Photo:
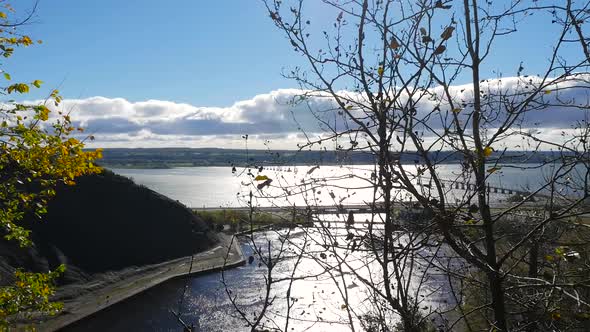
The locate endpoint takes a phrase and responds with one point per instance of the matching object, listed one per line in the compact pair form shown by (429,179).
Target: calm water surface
(218,186)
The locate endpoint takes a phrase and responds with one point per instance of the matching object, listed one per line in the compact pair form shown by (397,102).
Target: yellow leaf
(349,107)
(487,151)
(493,169)
(19,87)
(22,88)
(2,15)
(37,83)
(549,258)
(555,316)
(26,40)
(471,222)
(261,178)
(43,113)
(7,76)
(380,71)
(456,110)
(547,92)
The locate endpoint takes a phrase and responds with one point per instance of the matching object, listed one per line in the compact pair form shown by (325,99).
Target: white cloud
(117,122)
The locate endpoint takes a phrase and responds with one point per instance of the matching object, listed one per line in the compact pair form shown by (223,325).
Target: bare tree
(391,71)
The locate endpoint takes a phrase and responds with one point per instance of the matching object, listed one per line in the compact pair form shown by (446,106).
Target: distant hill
(107,222)
(175,157)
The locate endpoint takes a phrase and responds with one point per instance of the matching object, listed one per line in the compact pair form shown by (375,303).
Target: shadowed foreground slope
(107,222)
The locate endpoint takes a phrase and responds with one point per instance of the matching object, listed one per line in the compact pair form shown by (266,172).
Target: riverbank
(78,305)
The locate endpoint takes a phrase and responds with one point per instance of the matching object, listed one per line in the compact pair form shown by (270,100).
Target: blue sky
(207,53)
(196,72)
(201,52)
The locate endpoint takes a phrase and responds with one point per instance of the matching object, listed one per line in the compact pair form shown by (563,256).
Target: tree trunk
(533,262)
(498,301)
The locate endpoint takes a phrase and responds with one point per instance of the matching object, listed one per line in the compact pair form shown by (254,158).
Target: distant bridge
(368,208)
(427,182)
(466,185)
(344,208)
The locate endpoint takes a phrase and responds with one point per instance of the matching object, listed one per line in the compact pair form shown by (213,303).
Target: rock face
(107,222)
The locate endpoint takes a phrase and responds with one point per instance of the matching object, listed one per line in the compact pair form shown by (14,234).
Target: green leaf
(7,76)
(37,83)
(560,251)
(18,87)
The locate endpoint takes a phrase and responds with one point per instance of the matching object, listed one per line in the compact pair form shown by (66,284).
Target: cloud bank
(117,122)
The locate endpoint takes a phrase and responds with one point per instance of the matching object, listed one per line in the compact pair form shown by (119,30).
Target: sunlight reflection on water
(218,186)
(318,301)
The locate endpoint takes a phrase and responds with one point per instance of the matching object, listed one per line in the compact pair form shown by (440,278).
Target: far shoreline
(165,158)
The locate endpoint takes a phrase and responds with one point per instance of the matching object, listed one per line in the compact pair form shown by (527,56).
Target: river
(219,186)
(319,303)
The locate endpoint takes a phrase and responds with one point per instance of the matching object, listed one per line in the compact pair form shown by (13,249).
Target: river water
(218,186)
(317,300)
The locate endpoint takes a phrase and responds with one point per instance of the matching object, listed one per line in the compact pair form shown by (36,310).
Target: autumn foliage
(37,152)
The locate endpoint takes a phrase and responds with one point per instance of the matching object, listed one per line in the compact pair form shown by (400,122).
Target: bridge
(426,182)
(345,208)
(368,208)
(454,188)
